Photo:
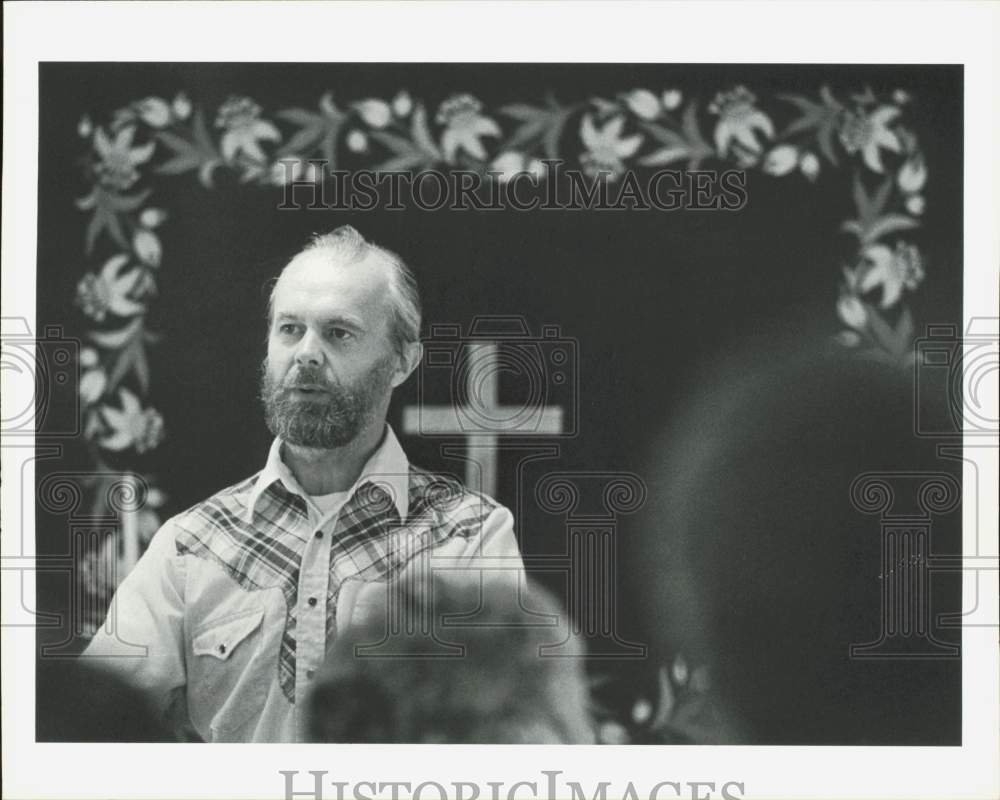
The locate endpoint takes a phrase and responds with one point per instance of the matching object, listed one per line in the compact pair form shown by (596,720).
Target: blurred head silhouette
(481,676)
(756,563)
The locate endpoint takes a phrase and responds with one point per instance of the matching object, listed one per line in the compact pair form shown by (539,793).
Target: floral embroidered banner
(792,137)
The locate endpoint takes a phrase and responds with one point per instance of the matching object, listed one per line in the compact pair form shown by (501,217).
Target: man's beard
(331,418)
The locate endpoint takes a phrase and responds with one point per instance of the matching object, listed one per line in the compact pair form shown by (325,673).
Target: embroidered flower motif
(912,175)
(809,165)
(154,111)
(147,247)
(181,106)
(642,711)
(781,160)
(672,99)
(852,312)
(606,149)
(679,670)
(152,217)
(915,204)
(869,133)
(119,159)
(907,141)
(244,129)
(357,142)
(643,104)
(848,338)
(511,163)
(375,113)
(612,733)
(739,119)
(402,104)
(294,168)
(464,125)
(892,270)
(131,425)
(109,290)
(88,358)
(94,380)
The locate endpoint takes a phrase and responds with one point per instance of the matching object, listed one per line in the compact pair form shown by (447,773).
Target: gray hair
(347,245)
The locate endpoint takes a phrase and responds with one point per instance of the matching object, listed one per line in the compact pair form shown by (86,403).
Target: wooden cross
(482,420)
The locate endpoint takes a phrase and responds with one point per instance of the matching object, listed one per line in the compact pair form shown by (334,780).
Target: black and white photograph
(634,414)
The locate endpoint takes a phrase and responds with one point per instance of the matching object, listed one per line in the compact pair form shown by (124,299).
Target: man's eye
(287,328)
(341,334)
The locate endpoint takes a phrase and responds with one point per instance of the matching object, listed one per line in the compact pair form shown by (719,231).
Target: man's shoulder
(446,497)
(223,509)
(452,512)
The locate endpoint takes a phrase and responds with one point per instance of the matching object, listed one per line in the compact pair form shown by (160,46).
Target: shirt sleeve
(142,639)
(498,543)
(495,560)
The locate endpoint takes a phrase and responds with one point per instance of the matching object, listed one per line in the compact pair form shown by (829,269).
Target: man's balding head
(345,246)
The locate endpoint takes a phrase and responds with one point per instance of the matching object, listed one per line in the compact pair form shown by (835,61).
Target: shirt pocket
(222,639)
(226,686)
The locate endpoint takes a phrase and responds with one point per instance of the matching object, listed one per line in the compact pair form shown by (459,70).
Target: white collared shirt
(205,614)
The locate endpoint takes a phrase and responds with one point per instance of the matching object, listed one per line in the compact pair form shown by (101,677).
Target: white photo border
(927,33)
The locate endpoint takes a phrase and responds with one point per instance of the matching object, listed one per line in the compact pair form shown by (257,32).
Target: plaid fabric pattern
(369,540)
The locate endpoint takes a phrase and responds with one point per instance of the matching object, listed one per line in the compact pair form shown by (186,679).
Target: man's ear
(408,361)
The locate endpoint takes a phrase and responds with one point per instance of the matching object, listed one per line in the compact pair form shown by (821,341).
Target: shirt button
(310,673)
(319,534)
(222,649)
(312,601)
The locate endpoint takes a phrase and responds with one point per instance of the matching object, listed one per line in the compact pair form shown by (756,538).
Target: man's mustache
(306,378)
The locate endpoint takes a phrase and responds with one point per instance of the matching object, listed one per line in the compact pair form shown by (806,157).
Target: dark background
(648,297)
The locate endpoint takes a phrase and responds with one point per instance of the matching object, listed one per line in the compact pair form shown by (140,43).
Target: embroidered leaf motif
(419,152)
(131,359)
(700,149)
(898,340)
(107,206)
(871,223)
(675,147)
(422,135)
(197,153)
(317,131)
(112,340)
(820,117)
(541,126)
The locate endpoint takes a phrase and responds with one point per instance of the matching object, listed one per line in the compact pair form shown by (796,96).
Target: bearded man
(231,611)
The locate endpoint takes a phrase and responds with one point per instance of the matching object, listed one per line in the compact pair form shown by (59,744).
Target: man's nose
(310,350)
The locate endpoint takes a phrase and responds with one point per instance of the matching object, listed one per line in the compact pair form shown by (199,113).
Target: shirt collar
(388,466)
